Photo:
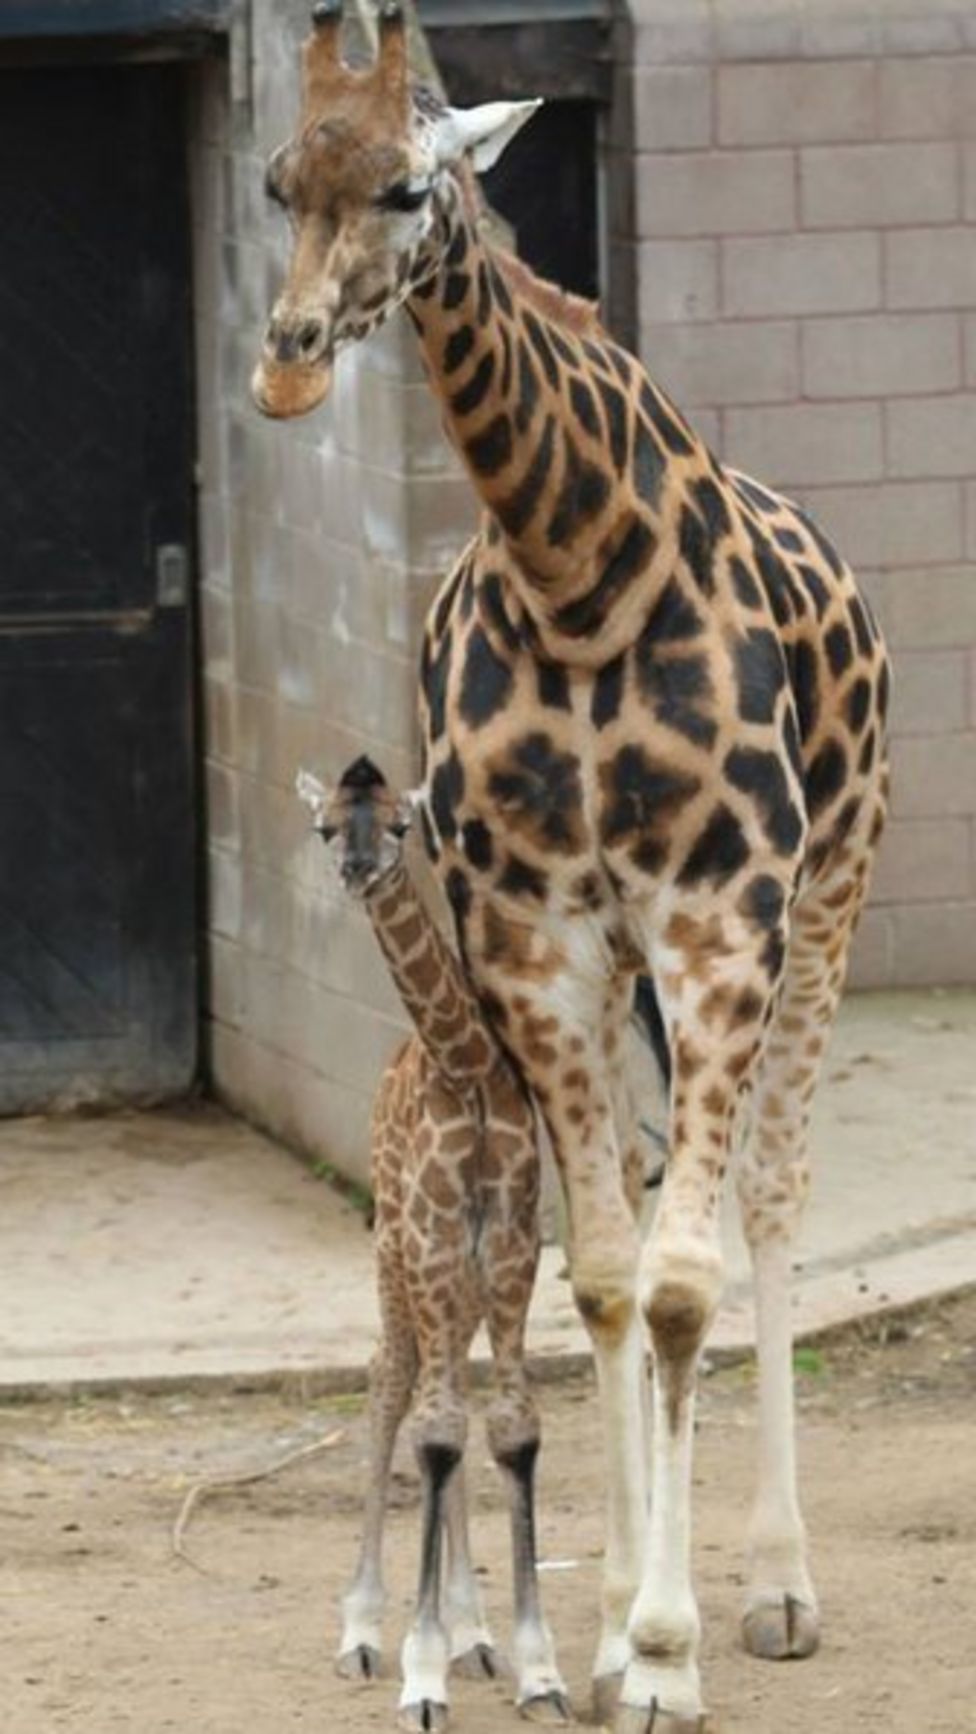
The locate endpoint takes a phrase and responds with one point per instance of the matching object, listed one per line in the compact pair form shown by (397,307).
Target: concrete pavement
(180,1246)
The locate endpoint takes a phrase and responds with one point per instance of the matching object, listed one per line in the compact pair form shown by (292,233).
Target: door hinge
(172,575)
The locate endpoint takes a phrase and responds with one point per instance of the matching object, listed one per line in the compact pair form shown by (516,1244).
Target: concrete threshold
(182,1249)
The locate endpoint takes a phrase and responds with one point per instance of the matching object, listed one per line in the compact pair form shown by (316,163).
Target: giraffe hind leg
(781,1619)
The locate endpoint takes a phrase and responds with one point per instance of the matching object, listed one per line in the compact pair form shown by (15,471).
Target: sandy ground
(101,1628)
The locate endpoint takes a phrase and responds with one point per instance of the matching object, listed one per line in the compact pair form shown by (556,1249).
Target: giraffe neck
(431,982)
(578,458)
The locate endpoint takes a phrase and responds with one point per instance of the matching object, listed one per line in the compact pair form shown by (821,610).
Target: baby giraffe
(455,1174)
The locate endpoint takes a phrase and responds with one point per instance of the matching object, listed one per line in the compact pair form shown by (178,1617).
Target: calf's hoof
(552,1707)
(784,1630)
(361,1663)
(424,1717)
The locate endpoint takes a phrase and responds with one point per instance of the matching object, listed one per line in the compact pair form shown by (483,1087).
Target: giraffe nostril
(291,343)
(309,337)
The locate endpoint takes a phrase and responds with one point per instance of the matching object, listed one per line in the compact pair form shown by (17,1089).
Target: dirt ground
(102,1628)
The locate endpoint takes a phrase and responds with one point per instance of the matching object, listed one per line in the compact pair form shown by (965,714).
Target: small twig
(244,1478)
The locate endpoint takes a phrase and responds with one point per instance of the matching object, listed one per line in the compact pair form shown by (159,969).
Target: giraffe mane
(574,311)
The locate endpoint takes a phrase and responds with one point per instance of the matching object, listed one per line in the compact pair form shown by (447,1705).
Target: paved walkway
(181,1245)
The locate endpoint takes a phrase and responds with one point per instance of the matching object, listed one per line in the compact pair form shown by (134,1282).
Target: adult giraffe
(654,724)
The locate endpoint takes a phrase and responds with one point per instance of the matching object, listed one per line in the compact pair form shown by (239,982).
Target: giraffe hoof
(606,1697)
(361,1663)
(781,1631)
(633,1719)
(551,1707)
(424,1717)
(481,1662)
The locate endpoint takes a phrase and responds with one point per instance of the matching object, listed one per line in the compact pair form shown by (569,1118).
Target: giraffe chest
(557,799)
(694,757)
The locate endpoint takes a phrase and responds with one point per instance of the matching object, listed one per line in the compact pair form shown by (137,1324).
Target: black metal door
(97,849)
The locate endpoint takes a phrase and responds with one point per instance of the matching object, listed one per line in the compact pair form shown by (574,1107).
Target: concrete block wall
(320,543)
(802,224)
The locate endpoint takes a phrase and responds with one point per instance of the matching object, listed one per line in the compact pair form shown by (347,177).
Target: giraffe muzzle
(359,874)
(294,372)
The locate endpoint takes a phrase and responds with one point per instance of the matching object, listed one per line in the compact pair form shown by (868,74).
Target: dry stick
(244,1478)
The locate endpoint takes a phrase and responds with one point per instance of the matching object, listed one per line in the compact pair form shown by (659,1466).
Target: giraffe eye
(401,197)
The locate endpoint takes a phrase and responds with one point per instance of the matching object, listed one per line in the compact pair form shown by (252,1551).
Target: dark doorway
(546,183)
(546,186)
(97,848)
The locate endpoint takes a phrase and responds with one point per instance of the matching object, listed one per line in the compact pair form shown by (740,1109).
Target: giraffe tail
(650,1026)
(650,1023)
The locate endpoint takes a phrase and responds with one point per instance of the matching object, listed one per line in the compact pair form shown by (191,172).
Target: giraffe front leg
(540,1694)
(391,1385)
(513,1436)
(425,1656)
(717,1003)
(579,1109)
(680,1285)
(564,1025)
(473,1654)
(439,1433)
(604,1288)
(440,1429)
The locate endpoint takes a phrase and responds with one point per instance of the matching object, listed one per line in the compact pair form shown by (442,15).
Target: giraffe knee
(437,1462)
(512,1427)
(679,1300)
(440,1426)
(678,1315)
(519,1460)
(603,1274)
(606,1301)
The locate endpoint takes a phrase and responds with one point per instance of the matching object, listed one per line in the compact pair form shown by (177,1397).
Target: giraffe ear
(482,132)
(317,798)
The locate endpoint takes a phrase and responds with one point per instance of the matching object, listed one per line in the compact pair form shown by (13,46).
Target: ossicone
(362,774)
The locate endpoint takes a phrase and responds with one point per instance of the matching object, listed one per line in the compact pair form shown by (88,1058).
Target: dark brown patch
(540,793)
(640,800)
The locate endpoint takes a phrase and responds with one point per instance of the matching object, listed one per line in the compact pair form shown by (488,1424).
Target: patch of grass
(345,1403)
(351,1191)
(811,1361)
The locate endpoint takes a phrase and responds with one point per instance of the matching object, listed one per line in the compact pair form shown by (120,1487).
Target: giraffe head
(361,181)
(362,820)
